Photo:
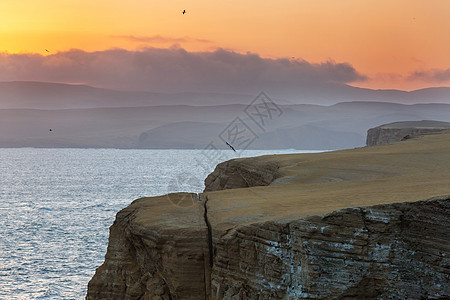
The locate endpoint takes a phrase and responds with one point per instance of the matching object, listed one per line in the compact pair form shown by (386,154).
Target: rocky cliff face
(347,224)
(398,251)
(162,257)
(395,132)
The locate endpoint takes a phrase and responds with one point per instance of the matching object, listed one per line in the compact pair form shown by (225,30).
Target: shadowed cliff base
(363,223)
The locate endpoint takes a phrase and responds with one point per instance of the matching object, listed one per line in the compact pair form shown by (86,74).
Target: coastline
(265,239)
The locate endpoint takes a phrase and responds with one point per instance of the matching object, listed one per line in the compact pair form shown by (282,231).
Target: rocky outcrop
(395,132)
(235,174)
(347,224)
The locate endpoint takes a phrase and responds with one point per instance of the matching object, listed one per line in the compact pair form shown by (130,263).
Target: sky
(402,44)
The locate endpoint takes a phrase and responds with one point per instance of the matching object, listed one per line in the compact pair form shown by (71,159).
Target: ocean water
(56,206)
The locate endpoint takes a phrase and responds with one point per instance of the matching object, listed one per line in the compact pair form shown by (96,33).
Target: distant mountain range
(43,95)
(300,126)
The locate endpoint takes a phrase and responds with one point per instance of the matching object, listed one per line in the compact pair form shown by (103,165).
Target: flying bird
(50,129)
(184,11)
(47,50)
(231,146)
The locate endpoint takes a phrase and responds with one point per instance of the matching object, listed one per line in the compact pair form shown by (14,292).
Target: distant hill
(301,126)
(85,116)
(44,95)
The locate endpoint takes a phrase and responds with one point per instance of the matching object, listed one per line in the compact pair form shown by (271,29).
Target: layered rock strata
(394,251)
(335,225)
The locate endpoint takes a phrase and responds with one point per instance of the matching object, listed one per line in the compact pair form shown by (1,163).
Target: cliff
(154,251)
(397,131)
(364,223)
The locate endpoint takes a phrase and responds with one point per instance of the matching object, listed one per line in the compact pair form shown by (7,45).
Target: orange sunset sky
(387,41)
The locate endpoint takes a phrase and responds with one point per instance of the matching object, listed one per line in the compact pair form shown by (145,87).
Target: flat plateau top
(417,124)
(319,183)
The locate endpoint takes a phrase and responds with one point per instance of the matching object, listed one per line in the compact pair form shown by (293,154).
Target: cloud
(432,75)
(177,70)
(160,39)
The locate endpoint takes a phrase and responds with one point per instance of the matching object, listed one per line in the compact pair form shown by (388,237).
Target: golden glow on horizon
(382,39)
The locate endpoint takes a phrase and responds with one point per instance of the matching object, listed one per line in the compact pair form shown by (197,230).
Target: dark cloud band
(176,69)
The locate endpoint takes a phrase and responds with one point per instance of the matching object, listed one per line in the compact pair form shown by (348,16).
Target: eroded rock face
(399,251)
(235,174)
(161,259)
(304,238)
(395,132)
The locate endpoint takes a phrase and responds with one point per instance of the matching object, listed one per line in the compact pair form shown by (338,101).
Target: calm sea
(56,206)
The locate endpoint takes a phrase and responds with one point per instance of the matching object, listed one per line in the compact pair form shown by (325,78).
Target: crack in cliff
(208,258)
(209,228)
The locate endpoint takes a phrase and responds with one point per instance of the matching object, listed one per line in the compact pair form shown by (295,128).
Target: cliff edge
(397,131)
(363,223)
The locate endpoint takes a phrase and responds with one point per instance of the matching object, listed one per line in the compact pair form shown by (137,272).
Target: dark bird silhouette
(231,146)
(47,50)
(50,129)
(184,11)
